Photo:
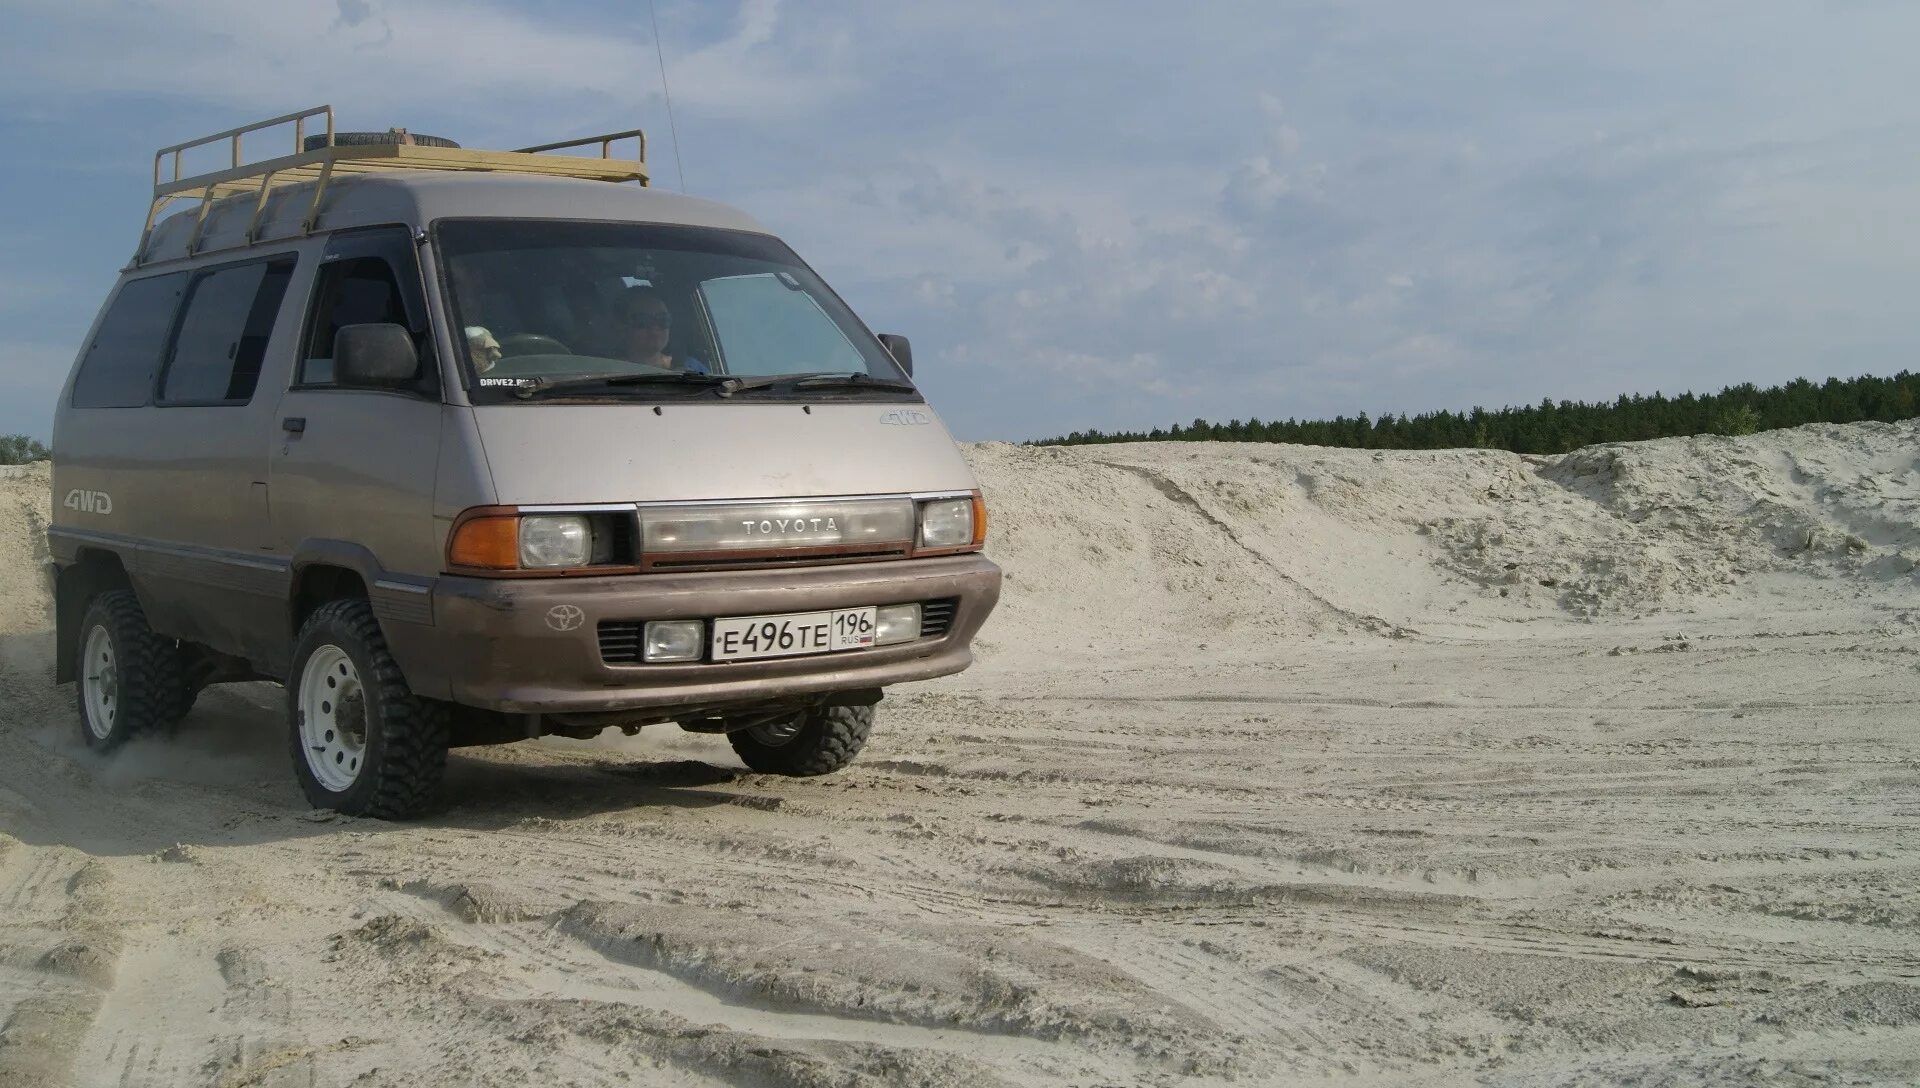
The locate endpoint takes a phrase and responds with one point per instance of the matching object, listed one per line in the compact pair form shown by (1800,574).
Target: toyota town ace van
(464,447)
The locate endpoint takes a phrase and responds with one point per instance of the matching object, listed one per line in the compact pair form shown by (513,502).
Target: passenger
(646,326)
(482,348)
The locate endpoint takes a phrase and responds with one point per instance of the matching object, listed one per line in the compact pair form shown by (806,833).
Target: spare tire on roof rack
(363,139)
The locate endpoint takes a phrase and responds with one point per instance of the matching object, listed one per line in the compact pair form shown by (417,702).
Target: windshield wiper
(854,379)
(678,377)
(724,384)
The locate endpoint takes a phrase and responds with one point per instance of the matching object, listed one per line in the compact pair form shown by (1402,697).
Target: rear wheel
(130,679)
(819,740)
(363,744)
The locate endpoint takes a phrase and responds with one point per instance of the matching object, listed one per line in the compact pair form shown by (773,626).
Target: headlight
(555,540)
(500,540)
(947,523)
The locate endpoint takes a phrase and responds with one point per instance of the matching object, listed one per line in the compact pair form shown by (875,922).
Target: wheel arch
(94,571)
(318,583)
(333,570)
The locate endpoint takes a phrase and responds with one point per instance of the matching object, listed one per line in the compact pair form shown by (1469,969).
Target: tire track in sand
(70,953)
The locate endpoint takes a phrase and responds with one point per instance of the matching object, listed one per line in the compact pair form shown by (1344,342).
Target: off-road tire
(406,744)
(185,695)
(367,139)
(828,739)
(150,690)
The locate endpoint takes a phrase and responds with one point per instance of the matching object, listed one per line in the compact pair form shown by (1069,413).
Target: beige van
(465,447)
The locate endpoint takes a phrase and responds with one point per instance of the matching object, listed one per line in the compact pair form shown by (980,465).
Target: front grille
(937,616)
(620,641)
(786,558)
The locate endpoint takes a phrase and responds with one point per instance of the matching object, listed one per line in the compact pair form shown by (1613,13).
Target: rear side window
(119,366)
(223,334)
(357,291)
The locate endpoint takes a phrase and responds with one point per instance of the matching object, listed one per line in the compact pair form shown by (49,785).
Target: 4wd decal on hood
(906,417)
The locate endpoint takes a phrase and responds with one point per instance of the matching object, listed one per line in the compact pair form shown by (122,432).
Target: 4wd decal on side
(89,502)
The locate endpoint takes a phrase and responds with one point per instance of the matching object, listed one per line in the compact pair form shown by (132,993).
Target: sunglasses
(650,320)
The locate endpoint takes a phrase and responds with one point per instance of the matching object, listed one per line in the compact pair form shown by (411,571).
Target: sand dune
(1302,539)
(1279,764)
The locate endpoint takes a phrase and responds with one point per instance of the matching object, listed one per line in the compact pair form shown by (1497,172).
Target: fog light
(674,640)
(896,623)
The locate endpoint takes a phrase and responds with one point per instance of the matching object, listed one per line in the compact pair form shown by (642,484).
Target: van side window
(118,369)
(222,339)
(356,291)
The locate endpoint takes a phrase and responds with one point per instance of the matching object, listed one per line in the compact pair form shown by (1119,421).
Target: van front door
(352,472)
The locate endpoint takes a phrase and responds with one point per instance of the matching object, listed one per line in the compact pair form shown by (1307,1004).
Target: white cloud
(1099,215)
(373,57)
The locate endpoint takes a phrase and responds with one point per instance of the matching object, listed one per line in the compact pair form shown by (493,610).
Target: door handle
(294,424)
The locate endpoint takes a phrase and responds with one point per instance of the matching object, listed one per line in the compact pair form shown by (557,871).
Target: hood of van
(542,453)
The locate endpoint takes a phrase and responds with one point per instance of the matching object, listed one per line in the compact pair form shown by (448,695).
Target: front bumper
(532,645)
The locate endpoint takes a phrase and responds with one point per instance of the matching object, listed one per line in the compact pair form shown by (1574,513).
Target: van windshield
(553,305)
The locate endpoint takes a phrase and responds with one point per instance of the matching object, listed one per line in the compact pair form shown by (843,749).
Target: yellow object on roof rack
(328,159)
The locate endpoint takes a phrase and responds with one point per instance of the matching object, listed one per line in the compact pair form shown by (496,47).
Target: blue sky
(1110,214)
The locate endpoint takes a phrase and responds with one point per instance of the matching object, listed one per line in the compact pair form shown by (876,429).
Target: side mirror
(378,355)
(901,351)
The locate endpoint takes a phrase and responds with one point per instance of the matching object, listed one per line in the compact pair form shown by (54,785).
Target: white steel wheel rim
(333,718)
(101,675)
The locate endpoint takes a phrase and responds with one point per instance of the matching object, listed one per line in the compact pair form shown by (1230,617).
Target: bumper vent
(620,641)
(937,616)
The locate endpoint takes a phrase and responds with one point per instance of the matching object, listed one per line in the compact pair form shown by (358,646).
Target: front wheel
(819,740)
(363,744)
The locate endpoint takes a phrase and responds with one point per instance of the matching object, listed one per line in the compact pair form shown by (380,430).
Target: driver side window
(354,291)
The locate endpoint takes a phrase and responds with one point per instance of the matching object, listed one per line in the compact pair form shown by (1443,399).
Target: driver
(646,323)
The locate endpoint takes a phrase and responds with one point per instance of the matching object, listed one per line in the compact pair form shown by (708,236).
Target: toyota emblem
(565,617)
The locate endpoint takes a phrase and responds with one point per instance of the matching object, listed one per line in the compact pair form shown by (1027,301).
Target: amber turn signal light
(979,520)
(485,543)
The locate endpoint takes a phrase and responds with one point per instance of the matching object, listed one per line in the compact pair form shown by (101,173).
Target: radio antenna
(679,164)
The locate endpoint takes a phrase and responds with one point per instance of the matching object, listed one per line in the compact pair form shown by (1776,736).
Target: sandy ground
(1280,765)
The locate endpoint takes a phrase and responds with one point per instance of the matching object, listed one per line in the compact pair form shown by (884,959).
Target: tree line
(1550,427)
(18,449)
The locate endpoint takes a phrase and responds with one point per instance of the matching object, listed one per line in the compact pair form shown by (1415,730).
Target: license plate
(737,638)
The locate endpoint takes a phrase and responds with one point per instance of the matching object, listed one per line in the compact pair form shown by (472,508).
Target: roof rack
(322,163)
